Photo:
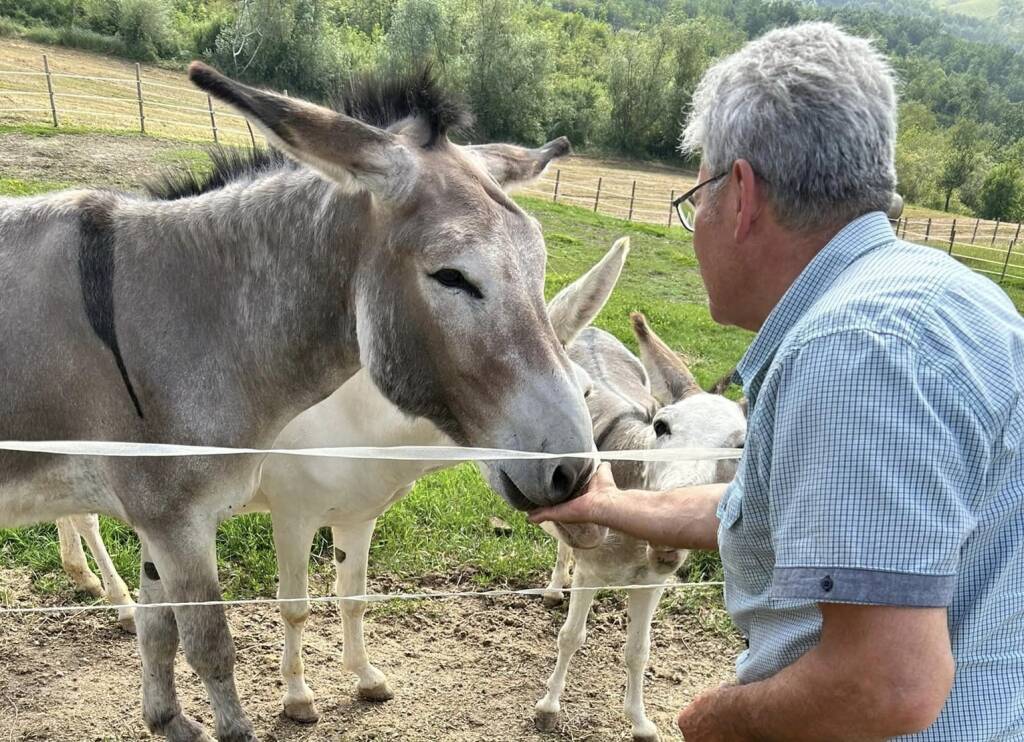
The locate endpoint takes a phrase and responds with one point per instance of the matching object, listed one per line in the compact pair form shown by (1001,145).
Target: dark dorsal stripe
(96,274)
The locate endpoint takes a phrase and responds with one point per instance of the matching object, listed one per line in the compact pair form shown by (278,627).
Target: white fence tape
(390,453)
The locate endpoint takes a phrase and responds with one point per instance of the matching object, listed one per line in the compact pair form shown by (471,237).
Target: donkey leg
(570,638)
(292,541)
(72,558)
(187,562)
(113,586)
(351,552)
(559,576)
(640,611)
(158,643)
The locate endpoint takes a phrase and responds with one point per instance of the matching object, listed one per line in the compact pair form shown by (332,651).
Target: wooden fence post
(952,237)
(994,233)
(1007,261)
(213,121)
(138,93)
(632,197)
(975,232)
(670,200)
(252,137)
(558,179)
(597,196)
(49,89)
(1017,233)
(927,229)
(905,222)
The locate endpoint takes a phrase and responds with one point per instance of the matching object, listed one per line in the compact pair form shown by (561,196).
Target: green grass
(16,187)
(441,530)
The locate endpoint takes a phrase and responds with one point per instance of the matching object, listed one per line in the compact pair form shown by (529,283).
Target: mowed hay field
(468,669)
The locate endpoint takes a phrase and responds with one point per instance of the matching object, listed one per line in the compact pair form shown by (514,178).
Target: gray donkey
(216,318)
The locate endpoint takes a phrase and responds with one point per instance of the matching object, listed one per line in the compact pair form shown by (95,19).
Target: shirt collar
(863,234)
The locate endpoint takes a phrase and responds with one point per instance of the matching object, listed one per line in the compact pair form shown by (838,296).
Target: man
(873,539)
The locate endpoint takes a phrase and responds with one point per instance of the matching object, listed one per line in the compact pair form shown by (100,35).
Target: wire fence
(60,99)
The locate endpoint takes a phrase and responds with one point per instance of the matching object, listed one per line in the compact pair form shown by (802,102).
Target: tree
(639,83)
(507,75)
(1002,194)
(960,158)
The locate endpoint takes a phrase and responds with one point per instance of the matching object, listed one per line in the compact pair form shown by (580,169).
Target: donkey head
(688,416)
(447,288)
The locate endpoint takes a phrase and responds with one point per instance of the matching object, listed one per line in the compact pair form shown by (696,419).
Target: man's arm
(682,518)
(877,672)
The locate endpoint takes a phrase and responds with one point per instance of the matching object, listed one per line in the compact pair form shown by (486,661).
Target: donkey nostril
(563,481)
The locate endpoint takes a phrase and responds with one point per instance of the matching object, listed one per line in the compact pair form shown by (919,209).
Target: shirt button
(826,583)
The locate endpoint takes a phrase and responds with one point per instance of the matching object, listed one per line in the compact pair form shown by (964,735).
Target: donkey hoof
(546,721)
(378,693)
(181,729)
(127,624)
(303,712)
(552,599)
(646,737)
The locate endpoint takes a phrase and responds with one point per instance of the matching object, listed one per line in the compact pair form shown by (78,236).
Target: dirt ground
(467,669)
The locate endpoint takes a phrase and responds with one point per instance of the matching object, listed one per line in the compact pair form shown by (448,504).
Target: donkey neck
(253,282)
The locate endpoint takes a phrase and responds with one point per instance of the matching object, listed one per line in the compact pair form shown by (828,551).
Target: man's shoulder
(915,293)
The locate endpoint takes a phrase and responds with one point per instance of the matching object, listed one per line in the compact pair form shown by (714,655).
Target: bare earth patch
(467,669)
(106,160)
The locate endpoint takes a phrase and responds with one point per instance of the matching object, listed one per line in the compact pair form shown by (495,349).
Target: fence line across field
(623,197)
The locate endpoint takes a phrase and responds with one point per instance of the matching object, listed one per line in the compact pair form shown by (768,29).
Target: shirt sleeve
(876,458)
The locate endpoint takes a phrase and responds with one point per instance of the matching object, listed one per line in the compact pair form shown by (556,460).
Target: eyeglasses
(685,207)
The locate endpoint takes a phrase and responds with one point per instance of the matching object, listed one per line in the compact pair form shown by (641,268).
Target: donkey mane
(375,99)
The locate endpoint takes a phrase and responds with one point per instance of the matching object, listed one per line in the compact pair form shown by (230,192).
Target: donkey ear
(513,166)
(576,306)
(340,147)
(671,380)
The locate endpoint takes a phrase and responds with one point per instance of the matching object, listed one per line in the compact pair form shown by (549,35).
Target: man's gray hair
(813,110)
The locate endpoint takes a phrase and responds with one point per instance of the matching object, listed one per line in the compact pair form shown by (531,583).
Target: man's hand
(594,504)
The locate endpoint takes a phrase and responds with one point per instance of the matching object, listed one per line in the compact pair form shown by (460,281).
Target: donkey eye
(454,279)
(661,428)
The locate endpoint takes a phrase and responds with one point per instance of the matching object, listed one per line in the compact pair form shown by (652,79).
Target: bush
(9,27)
(144,27)
(83,38)
(1002,193)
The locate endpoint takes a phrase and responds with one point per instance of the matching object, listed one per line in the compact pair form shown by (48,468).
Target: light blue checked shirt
(884,465)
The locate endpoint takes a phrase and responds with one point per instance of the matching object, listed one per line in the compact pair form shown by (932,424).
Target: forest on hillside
(612,75)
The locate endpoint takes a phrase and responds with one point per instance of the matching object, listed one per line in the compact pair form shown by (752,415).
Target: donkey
(218,318)
(512,166)
(636,405)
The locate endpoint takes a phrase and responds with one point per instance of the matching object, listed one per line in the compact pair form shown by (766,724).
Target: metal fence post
(632,196)
(558,178)
(213,121)
(994,233)
(975,232)
(670,200)
(49,89)
(597,196)
(138,93)
(952,237)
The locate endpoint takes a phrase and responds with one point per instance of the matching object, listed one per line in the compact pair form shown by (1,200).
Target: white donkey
(636,405)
